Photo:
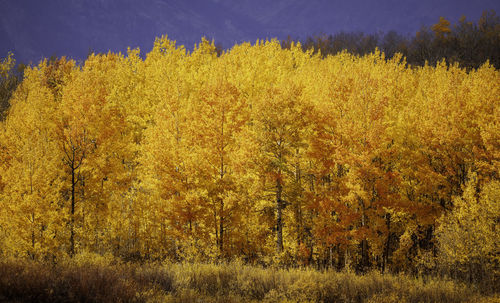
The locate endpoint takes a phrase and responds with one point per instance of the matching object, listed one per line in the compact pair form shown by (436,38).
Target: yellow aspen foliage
(469,233)
(221,114)
(32,170)
(263,153)
(94,139)
(279,126)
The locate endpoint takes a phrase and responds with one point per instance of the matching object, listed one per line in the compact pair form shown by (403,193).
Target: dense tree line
(271,155)
(467,43)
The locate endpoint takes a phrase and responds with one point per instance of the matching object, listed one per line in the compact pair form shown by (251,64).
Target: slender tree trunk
(330,256)
(32,217)
(347,259)
(279,223)
(216,229)
(221,174)
(33,235)
(221,228)
(364,243)
(298,213)
(72,218)
(385,257)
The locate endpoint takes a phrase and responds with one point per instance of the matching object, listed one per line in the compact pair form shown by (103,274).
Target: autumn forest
(266,155)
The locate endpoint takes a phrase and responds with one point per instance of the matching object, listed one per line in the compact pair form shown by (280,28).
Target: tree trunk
(221,174)
(216,227)
(365,261)
(385,257)
(221,228)
(279,223)
(72,218)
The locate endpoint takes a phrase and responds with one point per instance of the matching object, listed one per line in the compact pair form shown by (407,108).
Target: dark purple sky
(33,29)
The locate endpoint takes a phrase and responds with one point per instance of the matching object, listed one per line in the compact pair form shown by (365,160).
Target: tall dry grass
(87,280)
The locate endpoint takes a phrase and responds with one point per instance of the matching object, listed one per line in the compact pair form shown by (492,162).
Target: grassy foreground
(83,281)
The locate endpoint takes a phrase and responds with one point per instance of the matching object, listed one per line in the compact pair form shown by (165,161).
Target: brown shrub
(24,281)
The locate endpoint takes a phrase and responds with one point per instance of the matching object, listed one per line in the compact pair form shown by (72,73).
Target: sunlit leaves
(258,152)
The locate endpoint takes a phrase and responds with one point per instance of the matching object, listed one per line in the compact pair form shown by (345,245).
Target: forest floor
(103,281)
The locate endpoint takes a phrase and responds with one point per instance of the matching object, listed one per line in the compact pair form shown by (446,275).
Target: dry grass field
(104,280)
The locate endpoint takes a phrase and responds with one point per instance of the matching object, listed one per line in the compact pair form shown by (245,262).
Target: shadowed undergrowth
(85,281)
